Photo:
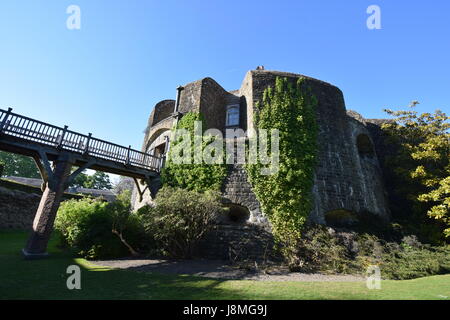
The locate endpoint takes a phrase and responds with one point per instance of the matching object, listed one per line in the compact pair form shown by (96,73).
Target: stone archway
(365,146)
(341,218)
(236,215)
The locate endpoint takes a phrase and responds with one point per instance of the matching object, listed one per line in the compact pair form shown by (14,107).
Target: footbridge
(56,150)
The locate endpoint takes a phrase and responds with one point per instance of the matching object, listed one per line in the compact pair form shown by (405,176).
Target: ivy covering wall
(199,177)
(286,196)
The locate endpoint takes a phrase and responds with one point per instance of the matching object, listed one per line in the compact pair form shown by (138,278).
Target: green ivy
(286,196)
(196,177)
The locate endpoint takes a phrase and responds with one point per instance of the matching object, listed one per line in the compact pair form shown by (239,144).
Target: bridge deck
(23,135)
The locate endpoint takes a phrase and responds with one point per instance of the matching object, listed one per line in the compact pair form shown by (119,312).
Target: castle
(348,177)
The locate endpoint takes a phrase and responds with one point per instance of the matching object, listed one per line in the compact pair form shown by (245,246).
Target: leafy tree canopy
(99,180)
(18,165)
(422,163)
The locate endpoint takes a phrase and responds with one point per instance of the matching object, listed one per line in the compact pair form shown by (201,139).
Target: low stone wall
(19,203)
(237,243)
(17,209)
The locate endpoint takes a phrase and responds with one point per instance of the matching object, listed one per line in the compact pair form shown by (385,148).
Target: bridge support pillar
(36,246)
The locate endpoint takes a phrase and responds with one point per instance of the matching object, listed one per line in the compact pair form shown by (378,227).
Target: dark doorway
(237,214)
(365,146)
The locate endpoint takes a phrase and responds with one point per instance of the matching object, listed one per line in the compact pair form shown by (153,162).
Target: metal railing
(16,125)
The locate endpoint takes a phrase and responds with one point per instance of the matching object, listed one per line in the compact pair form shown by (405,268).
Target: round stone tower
(347,179)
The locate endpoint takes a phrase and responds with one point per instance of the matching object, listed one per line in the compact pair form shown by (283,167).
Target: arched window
(232,115)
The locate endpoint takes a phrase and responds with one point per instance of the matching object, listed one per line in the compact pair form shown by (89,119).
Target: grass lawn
(46,279)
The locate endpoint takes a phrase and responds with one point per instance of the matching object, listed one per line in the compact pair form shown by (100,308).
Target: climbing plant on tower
(286,196)
(193,174)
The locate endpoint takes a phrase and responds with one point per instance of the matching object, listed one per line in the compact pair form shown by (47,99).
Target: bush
(180,219)
(412,262)
(407,259)
(319,250)
(324,250)
(99,230)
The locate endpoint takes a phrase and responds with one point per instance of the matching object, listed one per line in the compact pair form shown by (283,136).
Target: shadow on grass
(46,278)
(213,269)
(127,284)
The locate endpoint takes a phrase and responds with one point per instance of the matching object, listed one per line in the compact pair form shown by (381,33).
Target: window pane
(233,116)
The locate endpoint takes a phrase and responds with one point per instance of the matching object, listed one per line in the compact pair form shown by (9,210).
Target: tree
(99,180)
(124,183)
(422,163)
(80,180)
(122,217)
(18,165)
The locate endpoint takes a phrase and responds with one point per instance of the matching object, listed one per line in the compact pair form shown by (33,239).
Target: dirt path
(219,270)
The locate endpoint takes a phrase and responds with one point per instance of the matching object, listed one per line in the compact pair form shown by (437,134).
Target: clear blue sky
(128,55)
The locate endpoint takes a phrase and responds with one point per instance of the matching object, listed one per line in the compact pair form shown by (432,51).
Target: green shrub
(411,262)
(320,251)
(88,225)
(325,250)
(180,219)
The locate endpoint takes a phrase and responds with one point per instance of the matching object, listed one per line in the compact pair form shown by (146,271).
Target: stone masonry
(348,176)
(17,209)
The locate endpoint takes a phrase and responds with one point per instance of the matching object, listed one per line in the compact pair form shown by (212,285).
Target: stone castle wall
(345,178)
(17,209)
(162,111)
(190,97)
(237,190)
(213,104)
(237,243)
(19,203)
